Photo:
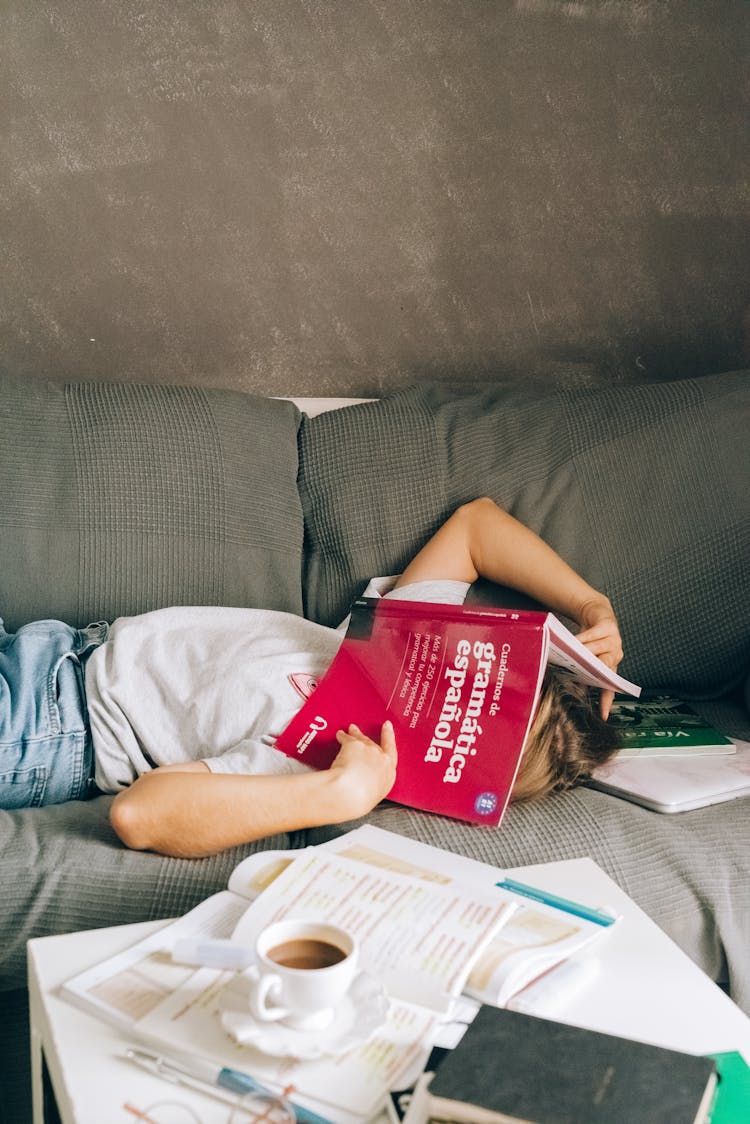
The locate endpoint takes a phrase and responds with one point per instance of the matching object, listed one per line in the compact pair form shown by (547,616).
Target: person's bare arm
(482,540)
(188,811)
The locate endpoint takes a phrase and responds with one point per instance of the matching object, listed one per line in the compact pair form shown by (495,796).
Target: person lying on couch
(175,710)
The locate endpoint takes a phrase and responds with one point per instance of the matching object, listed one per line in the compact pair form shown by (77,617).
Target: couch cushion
(643,489)
(119,498)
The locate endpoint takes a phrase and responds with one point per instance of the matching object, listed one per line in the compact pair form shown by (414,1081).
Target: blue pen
(219,1081)
(596,915)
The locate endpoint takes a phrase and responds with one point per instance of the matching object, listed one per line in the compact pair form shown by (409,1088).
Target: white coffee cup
(303,971)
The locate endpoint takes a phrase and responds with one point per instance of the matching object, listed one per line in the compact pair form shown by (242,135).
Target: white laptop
(677,784)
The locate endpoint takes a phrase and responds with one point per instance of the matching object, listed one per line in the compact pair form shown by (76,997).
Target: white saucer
(359,1013)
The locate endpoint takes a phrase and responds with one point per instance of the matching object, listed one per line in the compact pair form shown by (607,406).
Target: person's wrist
(596,605)
(343,796)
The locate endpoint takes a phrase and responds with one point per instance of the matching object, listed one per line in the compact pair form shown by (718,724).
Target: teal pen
(596,915)
(215,1080)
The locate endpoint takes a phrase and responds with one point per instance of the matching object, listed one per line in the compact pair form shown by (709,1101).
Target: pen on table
(219,1081)
(597,915)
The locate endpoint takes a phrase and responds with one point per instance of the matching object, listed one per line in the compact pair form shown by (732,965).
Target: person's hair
(568,738)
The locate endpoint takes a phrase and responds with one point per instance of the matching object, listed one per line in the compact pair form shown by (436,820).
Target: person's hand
(601,635)
(366,770)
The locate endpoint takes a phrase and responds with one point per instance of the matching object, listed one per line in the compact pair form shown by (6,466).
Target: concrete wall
(344,197)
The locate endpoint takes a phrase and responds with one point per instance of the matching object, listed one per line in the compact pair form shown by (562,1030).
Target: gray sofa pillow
(642,488)
(120,498)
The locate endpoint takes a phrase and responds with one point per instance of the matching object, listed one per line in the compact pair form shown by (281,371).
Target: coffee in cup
(304,970)
(307,953)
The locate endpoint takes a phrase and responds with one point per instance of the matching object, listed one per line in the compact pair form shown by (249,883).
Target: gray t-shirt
(212,684)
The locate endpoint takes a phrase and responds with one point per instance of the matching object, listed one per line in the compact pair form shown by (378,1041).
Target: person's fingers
(597,646)
(353,732)
(597,632)
(605,704)
(388,738)
(608,654)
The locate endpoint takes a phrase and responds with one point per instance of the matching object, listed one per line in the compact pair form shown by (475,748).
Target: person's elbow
(480,508)
(130,819)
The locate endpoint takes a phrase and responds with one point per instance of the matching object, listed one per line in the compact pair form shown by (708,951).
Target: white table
(647,989)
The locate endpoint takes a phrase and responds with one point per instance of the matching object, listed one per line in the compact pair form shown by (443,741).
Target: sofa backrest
(120,498)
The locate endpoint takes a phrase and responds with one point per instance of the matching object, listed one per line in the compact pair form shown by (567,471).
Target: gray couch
(119,498)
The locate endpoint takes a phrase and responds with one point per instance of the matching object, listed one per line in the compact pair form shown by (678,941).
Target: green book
(732,1103)
(663,726)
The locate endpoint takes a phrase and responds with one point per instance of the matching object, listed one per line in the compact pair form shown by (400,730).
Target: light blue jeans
(46,753)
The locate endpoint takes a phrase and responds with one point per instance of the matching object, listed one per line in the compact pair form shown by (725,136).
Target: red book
(460,684)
